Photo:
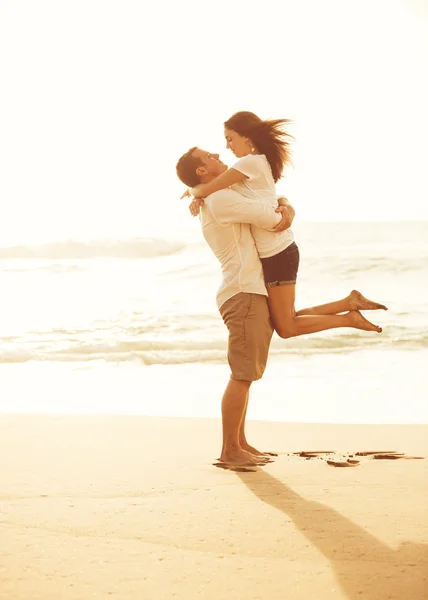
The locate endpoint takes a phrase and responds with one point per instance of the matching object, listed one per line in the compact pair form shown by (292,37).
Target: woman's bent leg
(289,324)
(355,301)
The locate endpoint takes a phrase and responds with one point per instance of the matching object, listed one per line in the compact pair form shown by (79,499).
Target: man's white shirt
(226,218)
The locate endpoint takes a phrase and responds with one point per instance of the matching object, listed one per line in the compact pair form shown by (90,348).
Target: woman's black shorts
(282,268)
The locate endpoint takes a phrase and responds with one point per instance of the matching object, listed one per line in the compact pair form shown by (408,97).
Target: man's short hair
(186,168)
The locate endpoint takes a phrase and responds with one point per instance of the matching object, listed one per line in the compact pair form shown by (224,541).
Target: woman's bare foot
(357,321)
(358,302)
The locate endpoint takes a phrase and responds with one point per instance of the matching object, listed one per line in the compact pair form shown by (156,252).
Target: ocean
(131,327)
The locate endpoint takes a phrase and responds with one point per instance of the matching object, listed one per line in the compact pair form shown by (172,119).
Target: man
(226,217)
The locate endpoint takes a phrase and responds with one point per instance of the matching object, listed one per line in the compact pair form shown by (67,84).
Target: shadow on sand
(365,567)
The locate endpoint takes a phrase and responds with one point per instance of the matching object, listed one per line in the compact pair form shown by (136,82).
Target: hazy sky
(99,98)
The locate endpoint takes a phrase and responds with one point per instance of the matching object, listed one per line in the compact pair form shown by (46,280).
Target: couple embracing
(247,226)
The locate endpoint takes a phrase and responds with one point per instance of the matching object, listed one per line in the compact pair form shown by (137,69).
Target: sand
(132,508)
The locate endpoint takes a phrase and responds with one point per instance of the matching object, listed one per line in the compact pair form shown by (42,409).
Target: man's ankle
(231,446)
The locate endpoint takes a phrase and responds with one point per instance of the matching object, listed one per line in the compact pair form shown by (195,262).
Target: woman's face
(239,145)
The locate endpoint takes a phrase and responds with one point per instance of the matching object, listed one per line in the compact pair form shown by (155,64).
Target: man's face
(212,165)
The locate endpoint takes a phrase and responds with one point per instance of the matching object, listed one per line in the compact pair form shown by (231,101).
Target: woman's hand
(287,216)
(195,206)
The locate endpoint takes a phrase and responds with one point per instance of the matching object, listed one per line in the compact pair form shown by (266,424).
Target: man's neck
(207,178)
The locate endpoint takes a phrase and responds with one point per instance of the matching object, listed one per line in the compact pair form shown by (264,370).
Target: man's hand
(195,206)
(287,216)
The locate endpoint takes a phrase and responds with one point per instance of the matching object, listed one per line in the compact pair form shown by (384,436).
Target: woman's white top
(261,186)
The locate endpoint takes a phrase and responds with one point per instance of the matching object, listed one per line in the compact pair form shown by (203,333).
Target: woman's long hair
(269,137)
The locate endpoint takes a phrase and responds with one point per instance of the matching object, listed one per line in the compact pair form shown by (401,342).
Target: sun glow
(100,99)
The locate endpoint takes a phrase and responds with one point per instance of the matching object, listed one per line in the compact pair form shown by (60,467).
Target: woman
(262,148)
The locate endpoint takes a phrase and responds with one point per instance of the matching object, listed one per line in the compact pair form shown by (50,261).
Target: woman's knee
(286,330)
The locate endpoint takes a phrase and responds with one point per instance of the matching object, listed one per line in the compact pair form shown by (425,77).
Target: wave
(132,248)
(148,248)
(350,265)
(150,352)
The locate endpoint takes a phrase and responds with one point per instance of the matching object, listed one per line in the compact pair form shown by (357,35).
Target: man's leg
(233,407)
(243,438)
(247,318)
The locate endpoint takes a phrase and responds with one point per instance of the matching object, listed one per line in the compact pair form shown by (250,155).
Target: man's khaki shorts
(250,331)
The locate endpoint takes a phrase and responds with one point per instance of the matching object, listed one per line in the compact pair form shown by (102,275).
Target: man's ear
(200,171)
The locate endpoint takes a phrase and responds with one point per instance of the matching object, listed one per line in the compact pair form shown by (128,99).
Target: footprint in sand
(312,453)
(327,456)
(369,452)
(343,463)
(396,457)
(387,455)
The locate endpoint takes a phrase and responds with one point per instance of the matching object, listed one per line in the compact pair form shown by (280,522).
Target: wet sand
(132,508)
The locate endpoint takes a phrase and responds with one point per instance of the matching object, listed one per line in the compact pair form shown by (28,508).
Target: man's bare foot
(358,302)
(252,450)
(357,321)
(241,457)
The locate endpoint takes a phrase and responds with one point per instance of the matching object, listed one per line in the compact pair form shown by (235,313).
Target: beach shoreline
(130,507)
(350,388)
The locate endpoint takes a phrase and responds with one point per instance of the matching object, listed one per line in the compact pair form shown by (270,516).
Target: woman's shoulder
(258,159)
(255,157)
(254,160)
(257,168)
